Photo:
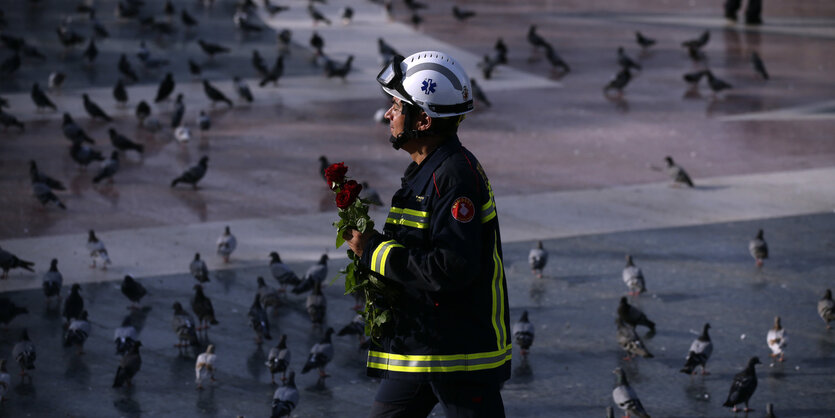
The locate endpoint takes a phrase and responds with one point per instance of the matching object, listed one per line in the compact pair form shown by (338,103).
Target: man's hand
(357,240)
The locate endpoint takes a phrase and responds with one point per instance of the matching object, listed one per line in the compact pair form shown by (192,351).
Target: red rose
(344,199)
(353,188)
(335,173)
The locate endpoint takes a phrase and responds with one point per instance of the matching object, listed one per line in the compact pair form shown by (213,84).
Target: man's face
(396,117)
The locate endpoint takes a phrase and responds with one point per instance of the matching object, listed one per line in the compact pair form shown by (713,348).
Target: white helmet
(431,80)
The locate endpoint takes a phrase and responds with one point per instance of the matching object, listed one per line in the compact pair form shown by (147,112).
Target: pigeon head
(53,265)
(177,307)
(323,159)
(127,322)
(112,132)
(114,155)
(196,256)
(777,325)
(67,118)
(621,377)
(629,260)
(83,315)
(261,282)
(754,360)
(328,333)
(129,279)
(828,294)
(204,160)
(33,166)
(75,288)
(760,234)
(275,257)
(539,244)
(226,231)
(91,236)
(291,380)
(524,317)
(24,335)
(620,50)
(85,97)
(323,259)
(669,161)
(257,300)
(198,289)
(210,349)
(282,343)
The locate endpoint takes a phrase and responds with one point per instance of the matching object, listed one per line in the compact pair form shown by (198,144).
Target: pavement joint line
(163,250)
(815,111)
(818,28)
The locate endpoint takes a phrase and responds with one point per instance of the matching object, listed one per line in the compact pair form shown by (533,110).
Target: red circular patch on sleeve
(463,209)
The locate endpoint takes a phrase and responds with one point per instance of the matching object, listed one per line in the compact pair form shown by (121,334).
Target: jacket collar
(418,181)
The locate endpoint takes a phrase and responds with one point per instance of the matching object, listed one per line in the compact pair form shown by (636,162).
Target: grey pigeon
(387,52)
(97,249)
(355,327)
(316,305)
(258,320)
(126,69)
(74,303)
(198,269)
(193,175)
(633,277)
(10,261)
(24,353)
(317,43)
(123,143)
(534,39)
(677,173)
(268,295)
(538,258)
(204,121)
(143,110)
(128,367)
(184,326)
(716,84)
(187,19)
(73,132)
(120,93)
(10,65)
(694,77)
(626,398)
(625,61)
(758,64)
(109,168)
(278,360)
(699,42)
(214,94)
(194,68)
(285,398)
(501,51)
(619,82)
(40,98)
(274,73)
(743,386)
(555,59)
(629,341)
(320,355)
(758,248)
(341,70)
(52,281)
(179,111)
(94,110)
(8,120)
(166,87)
(769,410)
(133,290)
(370,195)
(643,41)
(462,15)
(202,307)
(315,274)
(226,244)
(316,15)
(259,64)
(45,195)
(523,333)
(478,93)
(633,316)
(826,308)
(91,52)
(38,177)
(699,353)
(125,336)
(281,272)
(8,311)
(77,332)
(56,80)
(212,49)
(243,89)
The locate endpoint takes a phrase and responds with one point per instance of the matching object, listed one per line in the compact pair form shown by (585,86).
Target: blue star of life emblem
(428,86)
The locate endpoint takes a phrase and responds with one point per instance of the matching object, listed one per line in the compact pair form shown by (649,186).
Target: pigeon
(281,272)
(625,62)
(776,340)
(259,64)
(10,261)
(694,77)
(316,15)
(699,42)
(758,64)
(204,367)
(194,174)
(38,177)
(166,86)
(226,244)
(120,93)
(24,353)
(538,258)
(285,398)
(284,37)
(84,155)
(769,410)
(214,94)
(699,353)
(523,333)
(179,112)
(52,281)
(347,14)
(535,40)
(555,59)
(633,277)
(415,5)
(73,132)
(91,52)
(169,9)
(184,326)
(633,316)
(317,42)
(619,82)
(629,340)
(626,398)
(274,73)
(355,327)
(279,359)
(462,15)
(10,120)
(204,121)
(316,305)
(267,295)
(5,380)
(56,80)
(273,9)
(387,52)
(108,169)
(198,269)
(128,367)
(133,290)
(68,37)
(243,89)
(369,195)
(125,336)
(143,110)
(77,332)
(487,66)
(334,69)
(501,51)
(94,110)
(826,308)
(126,69)
(74,303)
(643,41)
(323,165)
(40,98)
(98,252)
(316,273)
(98,29)
(610,412)
(187,19)
(743,386)
(716,84)
(320,355)
(202,307)
(10,65)
(758,248)
(124,143)
(212,49)
(478,93)
(8,311)
(677,173)
(194,68)
(44,194)
(258,321)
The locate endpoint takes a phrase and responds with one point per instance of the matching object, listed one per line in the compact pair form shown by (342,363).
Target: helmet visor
(391,77)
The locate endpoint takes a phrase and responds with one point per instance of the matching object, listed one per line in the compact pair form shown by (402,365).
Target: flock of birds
(629,318)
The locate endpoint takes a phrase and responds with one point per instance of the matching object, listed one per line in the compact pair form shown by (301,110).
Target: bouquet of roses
(353,214)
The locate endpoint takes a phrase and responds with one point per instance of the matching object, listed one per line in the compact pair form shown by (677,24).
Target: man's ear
(423,122)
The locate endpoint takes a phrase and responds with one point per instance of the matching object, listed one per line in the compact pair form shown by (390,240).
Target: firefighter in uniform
(440,249)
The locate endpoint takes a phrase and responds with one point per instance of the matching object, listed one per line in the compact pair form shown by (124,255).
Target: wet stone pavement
(694,275)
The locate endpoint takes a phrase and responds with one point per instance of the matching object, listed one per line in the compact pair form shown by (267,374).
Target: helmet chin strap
(409,111)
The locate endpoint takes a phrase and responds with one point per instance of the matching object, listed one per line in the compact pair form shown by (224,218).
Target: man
(440,251)
(753,12)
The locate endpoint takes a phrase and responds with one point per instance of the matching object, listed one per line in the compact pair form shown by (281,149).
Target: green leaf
(339,239)
(362,224)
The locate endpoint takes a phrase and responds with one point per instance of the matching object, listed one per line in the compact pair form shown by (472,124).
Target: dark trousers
(402,399)
(753,12)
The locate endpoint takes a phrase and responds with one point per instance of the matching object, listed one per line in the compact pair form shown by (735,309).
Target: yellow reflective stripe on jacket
(498,296)
(408,217)
(488,210)
(439,363)
(380,256)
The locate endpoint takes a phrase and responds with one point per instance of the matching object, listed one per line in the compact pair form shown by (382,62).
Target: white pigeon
(204,367)
(98,252)
(226,244)
(626,398)
(537,258)
(182,134)
(5,380)
(699,353)
(777,340)
(633,277)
